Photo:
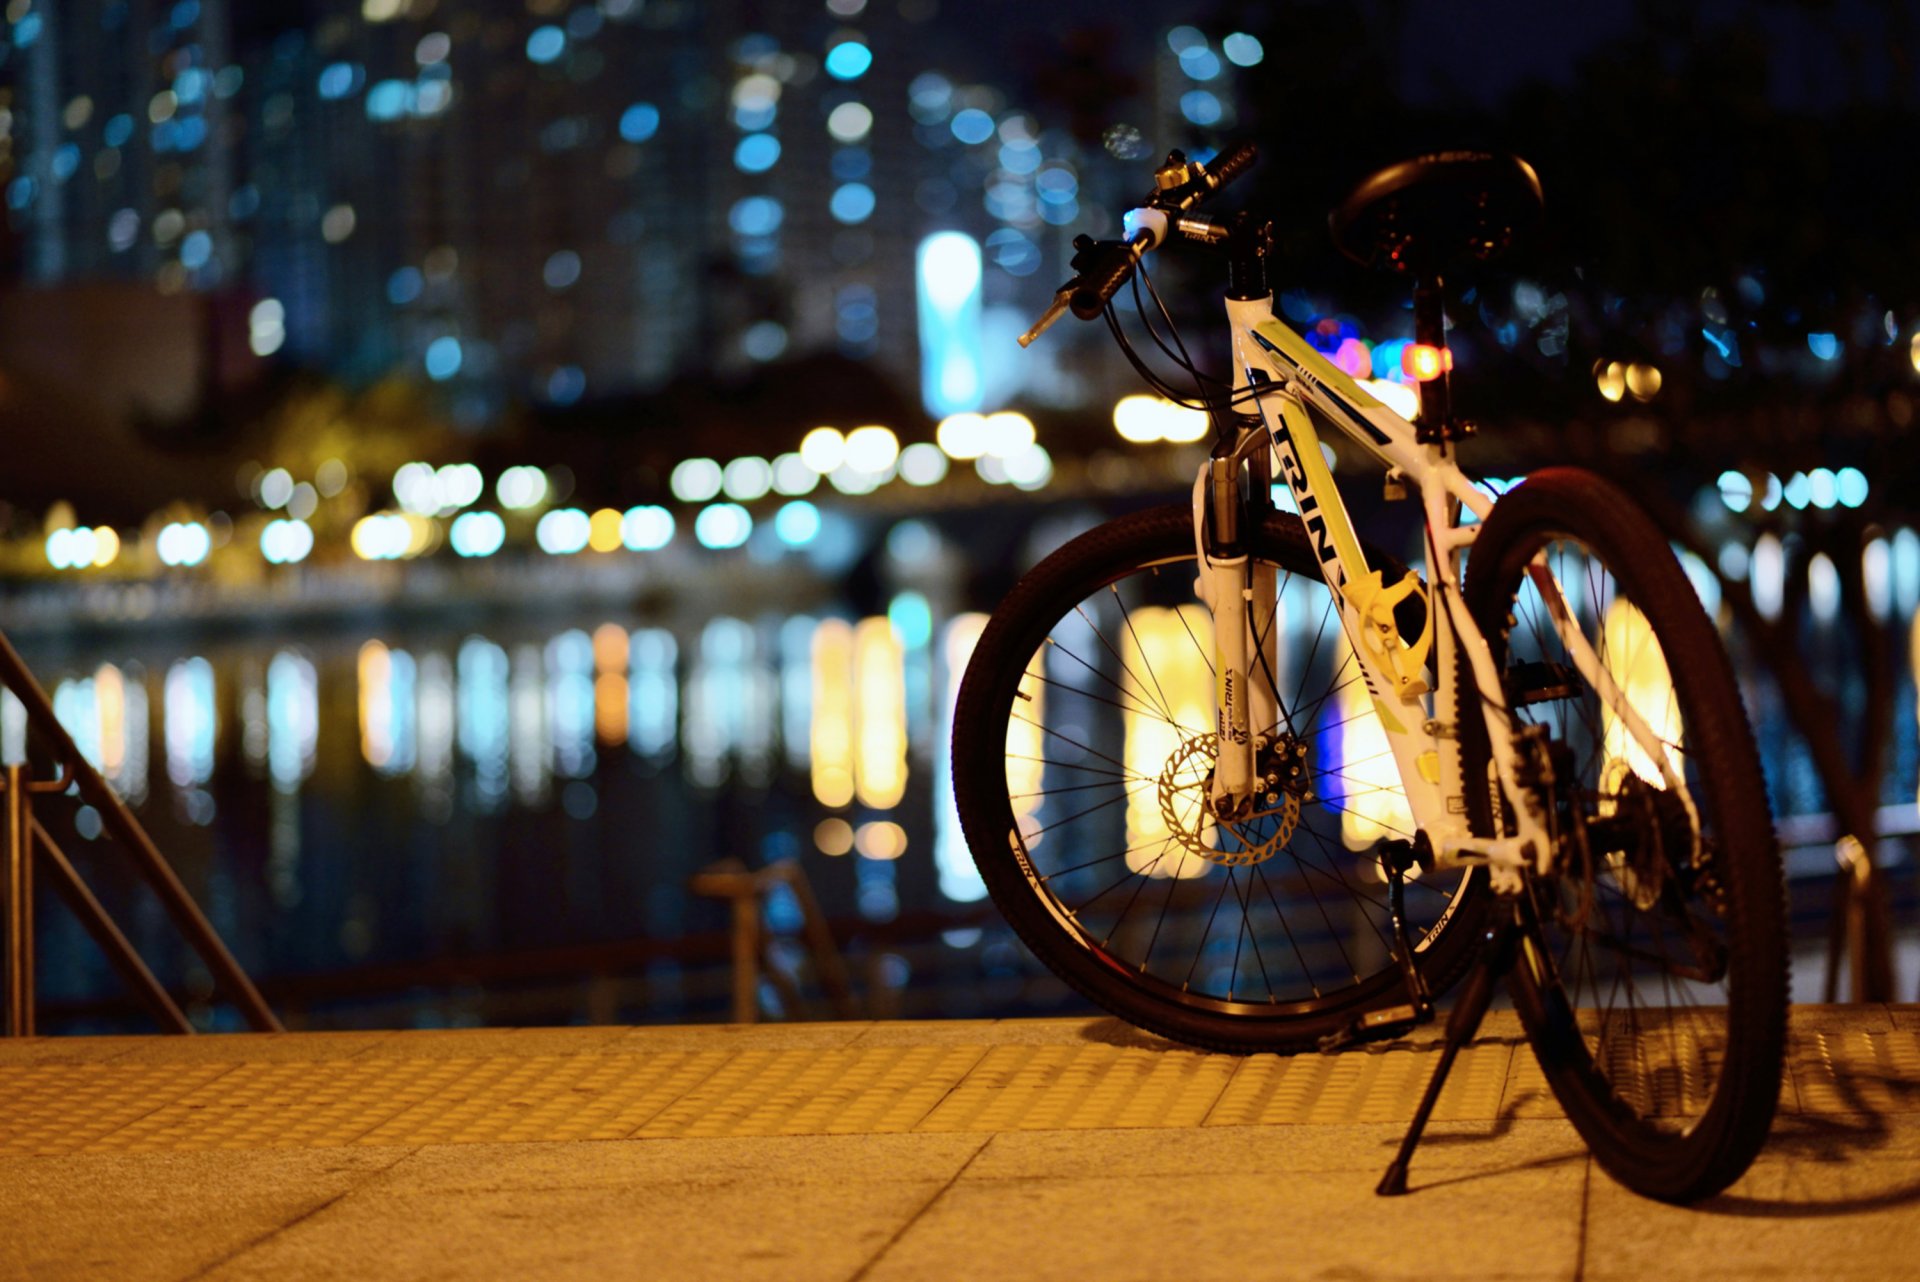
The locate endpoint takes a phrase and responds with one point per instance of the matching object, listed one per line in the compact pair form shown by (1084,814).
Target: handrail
(147,860)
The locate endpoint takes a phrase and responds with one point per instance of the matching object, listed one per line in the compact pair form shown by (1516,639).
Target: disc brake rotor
(1185,782)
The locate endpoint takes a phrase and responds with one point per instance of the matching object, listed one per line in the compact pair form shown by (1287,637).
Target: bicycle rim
(1085,812)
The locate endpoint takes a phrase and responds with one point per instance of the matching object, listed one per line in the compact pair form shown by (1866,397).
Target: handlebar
(1102,267)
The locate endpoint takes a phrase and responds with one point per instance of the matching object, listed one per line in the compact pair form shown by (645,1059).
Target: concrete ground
(1012,1149)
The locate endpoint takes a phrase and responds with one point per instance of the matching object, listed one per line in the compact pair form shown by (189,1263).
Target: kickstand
(1496,959)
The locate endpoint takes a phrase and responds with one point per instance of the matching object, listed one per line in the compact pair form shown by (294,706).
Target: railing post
(18,891)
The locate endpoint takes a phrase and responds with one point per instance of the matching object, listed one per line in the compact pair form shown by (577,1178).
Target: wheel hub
(1260,829)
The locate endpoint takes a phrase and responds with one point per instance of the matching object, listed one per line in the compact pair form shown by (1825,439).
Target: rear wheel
(1655,988)
(1082,751)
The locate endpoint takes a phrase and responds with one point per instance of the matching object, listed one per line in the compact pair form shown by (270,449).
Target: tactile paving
(1363,1086)
(1030,1088)
(1857,1072)
(512,1097)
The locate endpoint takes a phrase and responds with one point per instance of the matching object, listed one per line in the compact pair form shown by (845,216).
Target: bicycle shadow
(1836,1137)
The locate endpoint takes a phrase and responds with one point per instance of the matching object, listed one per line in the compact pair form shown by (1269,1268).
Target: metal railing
(747,890)
(28,845)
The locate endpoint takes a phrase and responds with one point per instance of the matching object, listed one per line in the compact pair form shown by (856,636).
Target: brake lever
(1061,299)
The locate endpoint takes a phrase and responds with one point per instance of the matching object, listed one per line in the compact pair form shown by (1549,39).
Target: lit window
(850,121)
(546,44)
(639,122)
(849,60)
(852,203)
(443,358)
(756,153)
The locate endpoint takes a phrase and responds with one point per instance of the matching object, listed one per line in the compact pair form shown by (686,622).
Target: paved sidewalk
(1010,1149)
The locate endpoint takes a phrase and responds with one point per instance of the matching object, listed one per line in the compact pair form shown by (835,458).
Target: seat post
(1436,425)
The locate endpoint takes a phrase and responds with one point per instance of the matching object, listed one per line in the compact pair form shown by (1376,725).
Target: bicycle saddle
(1421,214)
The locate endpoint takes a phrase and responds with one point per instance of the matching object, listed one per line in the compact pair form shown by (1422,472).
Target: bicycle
(1249,783)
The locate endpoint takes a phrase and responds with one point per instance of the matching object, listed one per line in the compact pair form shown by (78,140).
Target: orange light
(1424,362)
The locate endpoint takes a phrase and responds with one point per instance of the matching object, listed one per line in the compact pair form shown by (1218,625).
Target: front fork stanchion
(1223,587)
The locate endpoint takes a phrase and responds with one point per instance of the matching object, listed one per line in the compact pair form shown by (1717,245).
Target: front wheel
(1654,989)
(1082,751)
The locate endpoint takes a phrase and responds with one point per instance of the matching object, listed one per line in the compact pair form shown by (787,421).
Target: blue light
(190,84)
(1013,253)
(546,43)
(1736,490)
(849,60)
(477,534)
(117,130)
(20,192)
(189,132)
(390,100)
(755,216)
(722,525)
(26,31)
(66,159)
(639,122)
(1851,483)
(185,14)
(852,203)
(1824,346)
(340,79)
(1242,50)
(948,274)
(646,528)
(443,358)
(797,523)
(404,286)
(1200,63)
(972,125)
(1200,106)
(756,153)
(195,250)
(912,620)
(851,164)
(566,385)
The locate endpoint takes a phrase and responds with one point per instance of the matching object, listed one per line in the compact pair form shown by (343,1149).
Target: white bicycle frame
(1283,374)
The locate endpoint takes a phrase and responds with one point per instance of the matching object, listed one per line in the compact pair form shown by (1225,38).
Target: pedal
(1383,1025)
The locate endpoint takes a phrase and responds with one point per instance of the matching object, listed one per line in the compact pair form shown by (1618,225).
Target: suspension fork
(1240,594)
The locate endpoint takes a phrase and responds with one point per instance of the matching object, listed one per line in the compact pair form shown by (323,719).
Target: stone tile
(1523,1224)
(67,1050)
(447,1043)
(1783,1219)
(953,1032)
(763,1209)
(1844,1137)
(253,1048)
(577,1039)
(1467,1148)
(454,1169)
(703,1037)
(160,1216)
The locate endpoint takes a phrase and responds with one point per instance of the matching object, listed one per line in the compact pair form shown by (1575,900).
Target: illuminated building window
(852,203)
(848,60)
(756,153)
(850,164)
(546,44)
(562,269)
(764,340)
(639,122)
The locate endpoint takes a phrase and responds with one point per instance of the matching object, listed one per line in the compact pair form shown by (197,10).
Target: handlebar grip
(1230,166)
(1101,282)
